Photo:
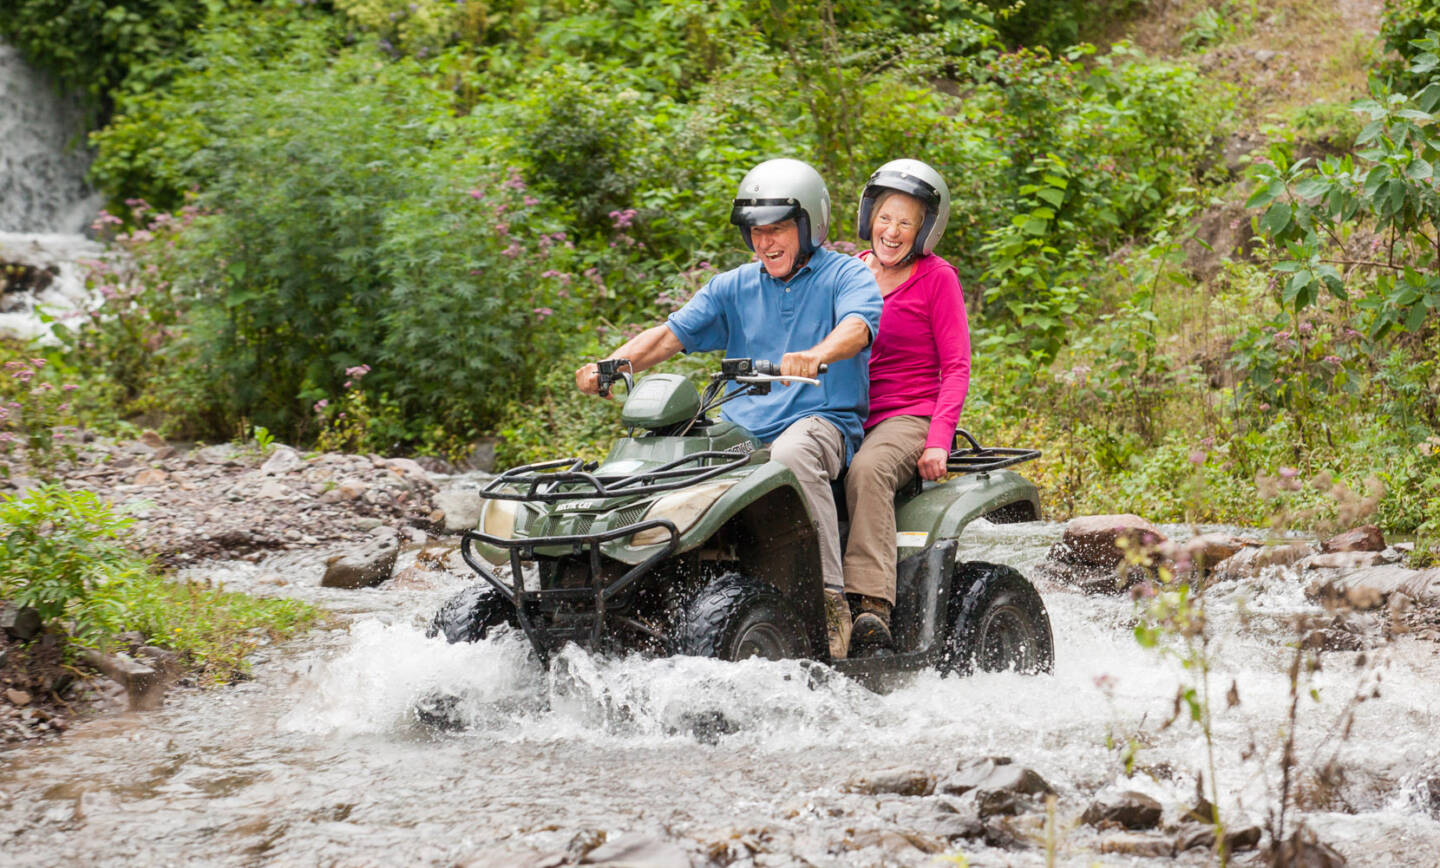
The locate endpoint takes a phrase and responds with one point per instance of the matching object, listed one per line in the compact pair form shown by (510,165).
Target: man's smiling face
(777,245)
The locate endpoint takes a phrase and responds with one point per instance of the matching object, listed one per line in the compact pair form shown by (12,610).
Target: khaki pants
(814,450)
(885,462)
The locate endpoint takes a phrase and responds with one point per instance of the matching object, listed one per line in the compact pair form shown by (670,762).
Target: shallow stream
(320,759)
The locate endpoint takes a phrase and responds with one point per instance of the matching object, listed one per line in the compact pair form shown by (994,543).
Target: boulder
(900,781)
(1370,588)
(1366,538)
(1101,540)
(1248,562)
(152,439)
(408,467)
(20,623)
(1208,549)
(366,565)
(17,697)
(1129,809)
(460,501)
(282,460)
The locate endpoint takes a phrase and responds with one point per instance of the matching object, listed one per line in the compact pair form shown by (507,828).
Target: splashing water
(325,756)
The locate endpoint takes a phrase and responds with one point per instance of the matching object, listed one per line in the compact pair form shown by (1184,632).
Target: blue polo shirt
(749,314)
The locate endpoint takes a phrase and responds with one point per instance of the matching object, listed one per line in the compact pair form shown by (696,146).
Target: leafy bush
(59,548)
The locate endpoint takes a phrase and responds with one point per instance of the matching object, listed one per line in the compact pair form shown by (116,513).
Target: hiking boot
(837,623)
(871,630)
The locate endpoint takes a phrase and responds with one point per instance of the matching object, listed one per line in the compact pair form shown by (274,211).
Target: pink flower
(513,250)
(1334,360)
(502,228)
(38,363)
(1288,472)
(476,194)
(320,406)
(542,312)
(531,201)
(1197,457)
(357,372)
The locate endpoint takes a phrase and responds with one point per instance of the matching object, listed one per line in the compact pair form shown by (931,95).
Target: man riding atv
(806,305)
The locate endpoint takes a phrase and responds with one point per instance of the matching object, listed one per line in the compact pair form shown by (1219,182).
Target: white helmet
(916,179)
(777,190)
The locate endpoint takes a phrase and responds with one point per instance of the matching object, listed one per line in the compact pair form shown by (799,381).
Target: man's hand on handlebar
(587,378)
(806,363)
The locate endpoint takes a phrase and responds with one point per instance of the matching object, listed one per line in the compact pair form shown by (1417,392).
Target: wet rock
(1101,540)
(1248,562)
(995,774)
(145,686)
(366,565)
(1344,560)
(952,826)
(1366,538)
(461,504)
(151,476)
(1429,796)
(1304,850)
(1144,846)
(283,460)
(900,781)
(1129,809)
(20,623)
(220,454)
(1370,588)
(637,851)
(894,842)
(1193,836)
(1002,803)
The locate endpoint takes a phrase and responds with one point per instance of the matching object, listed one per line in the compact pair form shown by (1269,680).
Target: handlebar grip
(773,370)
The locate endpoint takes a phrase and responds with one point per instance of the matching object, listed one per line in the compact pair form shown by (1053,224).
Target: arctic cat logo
(743,448)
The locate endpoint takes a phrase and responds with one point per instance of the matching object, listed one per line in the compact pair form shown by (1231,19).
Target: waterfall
(45,203)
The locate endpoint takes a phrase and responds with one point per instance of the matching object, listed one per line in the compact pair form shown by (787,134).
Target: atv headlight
(499,517)
(683,509)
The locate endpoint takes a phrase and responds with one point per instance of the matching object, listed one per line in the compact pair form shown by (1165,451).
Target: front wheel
(997,623)
(471,615)
(736,617)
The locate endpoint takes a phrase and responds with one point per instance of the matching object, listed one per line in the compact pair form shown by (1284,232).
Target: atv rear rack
(589,626)
(545,482)
(982,459)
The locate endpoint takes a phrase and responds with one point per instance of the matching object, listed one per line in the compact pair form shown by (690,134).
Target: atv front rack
(545,482)
(528,603)
(982,459)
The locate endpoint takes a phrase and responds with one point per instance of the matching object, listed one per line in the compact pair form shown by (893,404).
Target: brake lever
(767,378)
(607,371)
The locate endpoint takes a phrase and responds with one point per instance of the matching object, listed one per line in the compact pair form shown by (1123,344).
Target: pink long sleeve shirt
(920,361)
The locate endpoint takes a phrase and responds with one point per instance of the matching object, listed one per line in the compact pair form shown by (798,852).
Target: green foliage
(213,630)
(1387,186)
(1403,24)
(32,412)
(59,548)
(93,46)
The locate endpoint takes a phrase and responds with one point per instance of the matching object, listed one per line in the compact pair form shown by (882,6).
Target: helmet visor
(908,184)
(763,212)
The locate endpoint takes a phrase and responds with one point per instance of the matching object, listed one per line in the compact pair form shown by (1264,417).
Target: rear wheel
(998,623)
(471,615)
(735,617)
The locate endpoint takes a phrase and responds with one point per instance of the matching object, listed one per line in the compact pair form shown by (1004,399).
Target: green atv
(689,539)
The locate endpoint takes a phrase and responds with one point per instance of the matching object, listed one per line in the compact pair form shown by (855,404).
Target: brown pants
(885,462)
(814,450)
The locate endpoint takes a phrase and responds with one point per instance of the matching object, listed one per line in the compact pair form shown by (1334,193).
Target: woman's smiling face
(894,227)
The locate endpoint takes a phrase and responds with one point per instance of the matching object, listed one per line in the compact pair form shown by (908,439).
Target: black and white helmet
(777,190)
(918,180)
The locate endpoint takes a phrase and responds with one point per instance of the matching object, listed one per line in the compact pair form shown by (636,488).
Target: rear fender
(944,511)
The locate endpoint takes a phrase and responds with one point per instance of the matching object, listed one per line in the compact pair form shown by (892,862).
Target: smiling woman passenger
(919,375)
